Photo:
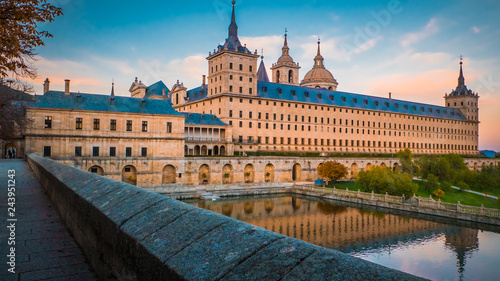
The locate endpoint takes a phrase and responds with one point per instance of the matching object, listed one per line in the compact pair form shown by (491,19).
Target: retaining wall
(128,233)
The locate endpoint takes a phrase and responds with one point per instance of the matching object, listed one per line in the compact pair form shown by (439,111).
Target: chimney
(390,96)
(66,88)
(204,82)
(46,85)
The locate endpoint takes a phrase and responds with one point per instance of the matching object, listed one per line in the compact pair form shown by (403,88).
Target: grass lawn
(452,196)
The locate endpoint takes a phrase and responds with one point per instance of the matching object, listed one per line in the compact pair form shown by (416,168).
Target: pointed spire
(113,88)
(461,79)
(318,60)
(233,28)
(262,73)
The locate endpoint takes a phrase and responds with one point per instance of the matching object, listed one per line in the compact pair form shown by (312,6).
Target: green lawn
(452,196)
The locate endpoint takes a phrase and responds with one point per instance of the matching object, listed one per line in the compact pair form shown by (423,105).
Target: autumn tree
(14,97)
(331,170)
(19,34)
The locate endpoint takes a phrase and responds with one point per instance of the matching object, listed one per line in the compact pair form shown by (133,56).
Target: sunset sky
(409,48)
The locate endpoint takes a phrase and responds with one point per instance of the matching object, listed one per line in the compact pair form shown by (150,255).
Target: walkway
(44,249)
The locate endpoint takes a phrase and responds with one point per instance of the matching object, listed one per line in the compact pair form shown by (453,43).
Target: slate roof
(157,89)
(262,73)
(325,97)
(203,119)
(105,103)
(488,153)
(196,94)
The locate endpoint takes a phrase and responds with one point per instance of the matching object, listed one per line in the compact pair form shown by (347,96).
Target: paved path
(44,249)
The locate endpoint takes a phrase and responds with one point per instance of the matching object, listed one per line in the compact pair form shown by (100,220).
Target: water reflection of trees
(373,213)
(269,206)
(330,209)
(227,209)
(248,207)
(464,242)
(296,203)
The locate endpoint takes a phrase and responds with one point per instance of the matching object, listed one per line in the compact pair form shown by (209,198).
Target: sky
(409,48)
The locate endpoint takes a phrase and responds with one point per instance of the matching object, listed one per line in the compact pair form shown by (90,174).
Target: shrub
(381,180)
(438,193)
(332,170)
(431,183)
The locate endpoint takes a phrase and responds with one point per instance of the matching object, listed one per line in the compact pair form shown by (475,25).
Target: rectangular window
(47,151)
(112,151)
(129,125)
(230,65)
(95,151)
(112,125)
(79,123)
(230,113)
(144,151)
(169,127)
(128,151)
(48,122)
(144,126)
(97,125)
(78,151)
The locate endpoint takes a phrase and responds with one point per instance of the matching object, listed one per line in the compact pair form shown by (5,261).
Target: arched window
(277,76)
(290,76)
(176,98)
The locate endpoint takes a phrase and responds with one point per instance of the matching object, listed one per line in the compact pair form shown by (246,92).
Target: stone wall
(128,233)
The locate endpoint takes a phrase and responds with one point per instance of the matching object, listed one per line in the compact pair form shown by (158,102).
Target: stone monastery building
(144,139)
(312,116)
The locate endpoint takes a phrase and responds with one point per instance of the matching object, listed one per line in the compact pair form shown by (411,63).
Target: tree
(381,180)
(431,183)
(406,161)
(13,101)
(332,170)
(19,35)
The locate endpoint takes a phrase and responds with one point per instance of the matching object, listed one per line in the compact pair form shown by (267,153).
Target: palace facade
(312,116)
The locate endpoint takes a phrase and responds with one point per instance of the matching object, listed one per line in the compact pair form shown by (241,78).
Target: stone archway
(97,170)
(216,150)
(383,165)
(10,151)
(249,173)
(222,150)
(354,170)
(197,150)
(269,173)
(368,166)
(475,167)
(395,167)
(296,172)
(129,175)
(204,150)
(204,174)
(186,150)
(227,173)
(168,174)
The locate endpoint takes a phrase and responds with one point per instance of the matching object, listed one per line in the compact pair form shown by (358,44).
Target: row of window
(112,124)
(353,143)
(47,151)
(219,67)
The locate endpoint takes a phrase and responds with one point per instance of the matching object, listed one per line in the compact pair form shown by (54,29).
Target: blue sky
(409,48)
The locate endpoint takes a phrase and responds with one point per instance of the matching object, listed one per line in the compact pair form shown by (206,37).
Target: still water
(420,246)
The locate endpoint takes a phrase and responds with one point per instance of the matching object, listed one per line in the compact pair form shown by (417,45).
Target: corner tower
(232,68)
(463,99)
(319,77)
(286,71)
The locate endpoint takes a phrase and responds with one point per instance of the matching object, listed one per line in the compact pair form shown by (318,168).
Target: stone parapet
(129,233)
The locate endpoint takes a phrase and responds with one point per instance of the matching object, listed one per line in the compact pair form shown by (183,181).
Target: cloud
(475,29)
(411,38)
(190,68)
(429,59)
(271,44)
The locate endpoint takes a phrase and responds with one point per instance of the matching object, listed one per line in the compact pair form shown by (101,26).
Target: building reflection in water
(335,226)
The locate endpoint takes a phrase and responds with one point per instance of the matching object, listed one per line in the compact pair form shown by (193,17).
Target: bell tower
(463,98)
(285,71)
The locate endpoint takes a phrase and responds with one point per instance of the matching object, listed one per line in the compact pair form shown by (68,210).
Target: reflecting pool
(435,249)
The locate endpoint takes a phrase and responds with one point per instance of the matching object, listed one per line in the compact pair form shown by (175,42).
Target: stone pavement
(44,249)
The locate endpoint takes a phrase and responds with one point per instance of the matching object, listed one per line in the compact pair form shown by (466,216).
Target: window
(95,151)
(230,113)
(78,151)
(144,126)
(79,123)
(230,65)
(169,127)
(250,68)
(241,67)
(48,122)
(112,125)
(144,151)
(112,151)
(129,125)
(241,90)
(241,114)
(128,151)
(46,151)
(97,124)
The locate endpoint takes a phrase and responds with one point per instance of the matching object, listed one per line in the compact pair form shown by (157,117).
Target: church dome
(319,76)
